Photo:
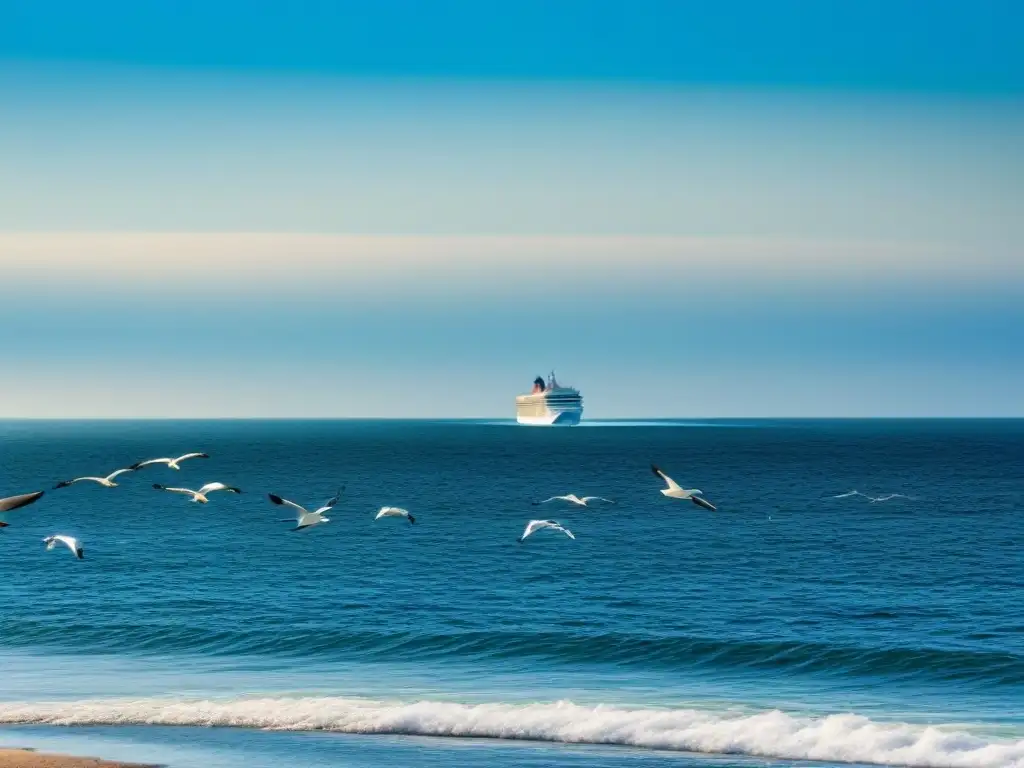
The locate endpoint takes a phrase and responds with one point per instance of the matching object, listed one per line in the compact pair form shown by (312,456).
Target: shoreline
(26,757)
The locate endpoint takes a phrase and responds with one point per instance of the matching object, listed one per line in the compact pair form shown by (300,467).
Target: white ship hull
(560,419)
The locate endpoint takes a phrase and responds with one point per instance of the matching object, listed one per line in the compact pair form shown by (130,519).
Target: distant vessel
(549,405)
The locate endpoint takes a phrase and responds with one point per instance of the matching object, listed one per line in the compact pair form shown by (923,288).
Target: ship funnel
(538,385)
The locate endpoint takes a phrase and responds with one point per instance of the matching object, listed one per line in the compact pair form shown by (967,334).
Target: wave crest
(837,738)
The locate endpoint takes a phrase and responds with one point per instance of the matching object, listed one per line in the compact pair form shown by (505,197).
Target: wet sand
(24,758)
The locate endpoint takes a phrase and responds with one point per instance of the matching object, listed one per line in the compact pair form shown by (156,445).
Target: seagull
(68,541)
(106,482)
(535,525)
(572,498)
(172,463)
(889,496)
(873,499)
(394,512)
(675,491)
(305,518)
(200,495)
(854,492)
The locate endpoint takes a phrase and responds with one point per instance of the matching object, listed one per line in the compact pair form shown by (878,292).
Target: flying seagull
(106,482)
(200,495)
(873,499)
(394,512)
(675,491)
(535,525)
(572,498)
(172,463)
(305,518)
(854,492)
(68,541)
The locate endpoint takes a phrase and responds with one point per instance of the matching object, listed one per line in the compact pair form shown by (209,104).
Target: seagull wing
(13,502)
(596,498)
(211,487)
(566,531)
(672,484)
(333,500)
(701,502)
(192,456)
(279,501)
(141,464)
(553,498)
(531,528)
(66,483)
(175,490)
(114,474)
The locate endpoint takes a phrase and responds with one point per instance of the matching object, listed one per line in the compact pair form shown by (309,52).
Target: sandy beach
(24,758)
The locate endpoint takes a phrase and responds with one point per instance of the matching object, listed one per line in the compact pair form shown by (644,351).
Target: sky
(410,209)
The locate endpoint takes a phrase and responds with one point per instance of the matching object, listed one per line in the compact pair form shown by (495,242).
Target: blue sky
(943,46)
(778,209)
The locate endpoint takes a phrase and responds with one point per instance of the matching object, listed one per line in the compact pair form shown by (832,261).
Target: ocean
(796,625)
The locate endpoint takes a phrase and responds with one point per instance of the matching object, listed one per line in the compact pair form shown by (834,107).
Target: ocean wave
(679,652)
(843,738)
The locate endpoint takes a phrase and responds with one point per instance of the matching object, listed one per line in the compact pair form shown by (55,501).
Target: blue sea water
(789,626)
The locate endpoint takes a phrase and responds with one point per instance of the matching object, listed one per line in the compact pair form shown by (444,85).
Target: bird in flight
(106,482)
(68,541)
(572,498)
(395,512)
(172,463)
(536,525)
(304,518)
(676,491)
(200,495)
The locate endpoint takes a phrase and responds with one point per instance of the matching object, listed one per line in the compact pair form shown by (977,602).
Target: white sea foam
(836,738)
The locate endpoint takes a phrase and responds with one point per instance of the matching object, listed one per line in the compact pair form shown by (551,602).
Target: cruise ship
(549,405)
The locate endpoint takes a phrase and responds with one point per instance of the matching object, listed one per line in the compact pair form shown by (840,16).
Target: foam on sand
(837,738)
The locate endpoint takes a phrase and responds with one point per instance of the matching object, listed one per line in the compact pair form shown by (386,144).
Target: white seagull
(676,491)
(395,512)
(535,525)
(106,482)
(889,497)
(873,499)
(572,498)
(68,541)
(172,463)
(200,495)
(305,518)
(854,492)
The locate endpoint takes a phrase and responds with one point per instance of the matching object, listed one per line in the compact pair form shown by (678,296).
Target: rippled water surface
(788,625)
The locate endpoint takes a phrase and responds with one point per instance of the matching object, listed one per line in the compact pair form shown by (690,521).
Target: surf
(842,738)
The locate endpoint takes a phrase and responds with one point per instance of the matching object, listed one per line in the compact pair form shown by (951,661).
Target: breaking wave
(843,738)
